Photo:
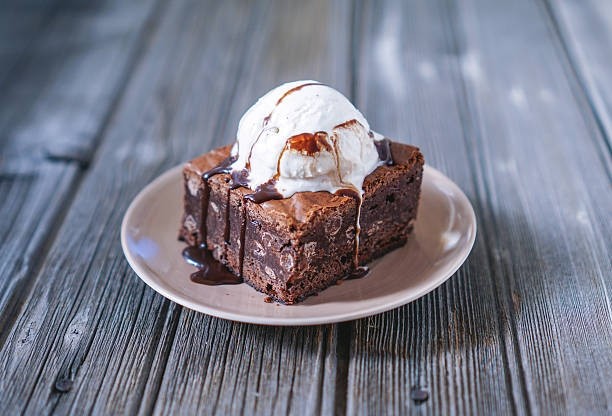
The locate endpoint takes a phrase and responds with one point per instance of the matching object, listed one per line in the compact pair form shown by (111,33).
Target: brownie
(295,247)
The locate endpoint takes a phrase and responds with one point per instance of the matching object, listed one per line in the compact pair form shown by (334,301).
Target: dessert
(306,196)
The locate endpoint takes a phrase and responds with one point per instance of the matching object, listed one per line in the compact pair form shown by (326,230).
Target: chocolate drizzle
(240,178)
(243,236)
(223,167)
(210,271)
(204,210)
(265,192)
(263,130)
(267,118)
(348,124)
(294,89)
(226,231)
(307,143)
(335,153)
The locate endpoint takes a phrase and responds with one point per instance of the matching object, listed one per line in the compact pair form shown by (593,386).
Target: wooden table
(511,99)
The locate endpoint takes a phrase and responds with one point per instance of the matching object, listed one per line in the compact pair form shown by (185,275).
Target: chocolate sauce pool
(212,272)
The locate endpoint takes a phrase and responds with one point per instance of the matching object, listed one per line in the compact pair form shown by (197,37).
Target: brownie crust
(295,247)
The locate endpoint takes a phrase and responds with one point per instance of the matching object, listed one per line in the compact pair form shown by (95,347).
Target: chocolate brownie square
(295,247)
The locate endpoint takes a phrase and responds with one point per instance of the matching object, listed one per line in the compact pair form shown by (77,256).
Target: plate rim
(438,278)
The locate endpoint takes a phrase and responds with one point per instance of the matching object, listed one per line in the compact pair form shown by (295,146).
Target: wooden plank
(50,120)
(230,368)
(72,312)
(31,206)
(91,336)
(586,30)
(91,328)
(455,343)
(55,105)
(21,24)
(550,238)
(542,197)
(226,368)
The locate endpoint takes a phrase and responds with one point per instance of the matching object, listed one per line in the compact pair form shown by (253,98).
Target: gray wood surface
(509,99)
(518,126)
(59,87)
(586,32)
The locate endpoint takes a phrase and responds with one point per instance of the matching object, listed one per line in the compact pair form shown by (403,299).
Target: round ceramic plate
(443,237)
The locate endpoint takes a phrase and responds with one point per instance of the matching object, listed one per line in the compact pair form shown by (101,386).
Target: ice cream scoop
(304,136)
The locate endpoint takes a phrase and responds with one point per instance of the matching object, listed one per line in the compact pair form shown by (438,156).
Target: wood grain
(89,323)
(55,103)
(455,342)
(542,204)
(541,236)
(21,24)
(88,306)
(586,31)
(509,99)
(264,370)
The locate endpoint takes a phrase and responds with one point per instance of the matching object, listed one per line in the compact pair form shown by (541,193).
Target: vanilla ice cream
(304,136)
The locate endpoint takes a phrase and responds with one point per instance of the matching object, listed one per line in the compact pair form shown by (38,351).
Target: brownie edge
(295,247)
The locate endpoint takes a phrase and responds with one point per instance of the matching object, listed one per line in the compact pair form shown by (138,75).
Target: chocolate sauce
(278,162)
(309,143)
(223,167)
(383,147)
(210,271)
(347,124)
(243,236)
(263,130)
(334,141)
(294,89)
(267,118)
(240,178)
(226,231)
(264,192)
(267,191)
(204,208)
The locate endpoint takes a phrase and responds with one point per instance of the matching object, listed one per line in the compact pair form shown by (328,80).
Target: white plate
(444,234)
